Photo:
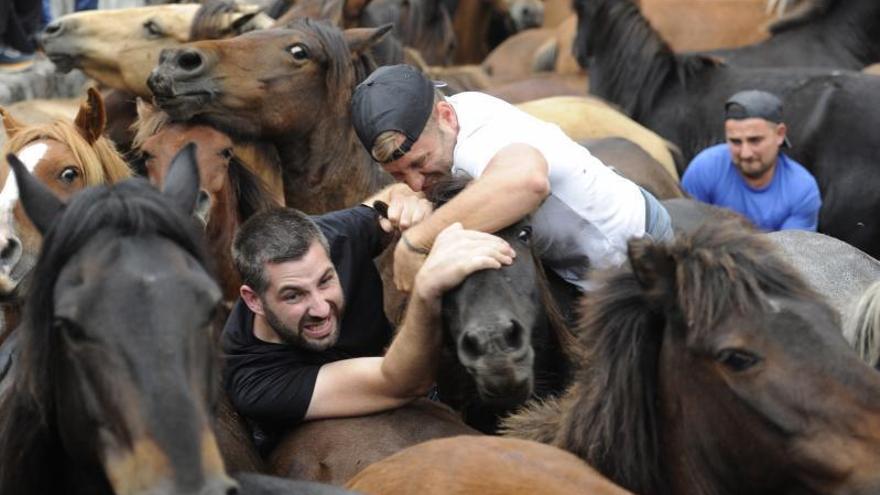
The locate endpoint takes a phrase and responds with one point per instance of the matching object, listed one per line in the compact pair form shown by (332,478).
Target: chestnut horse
(229,194)
(482,466)
(334,450)
(66,156)
(291,87)
(712,367)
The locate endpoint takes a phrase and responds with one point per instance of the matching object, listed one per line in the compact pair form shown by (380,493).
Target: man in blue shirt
(749,174)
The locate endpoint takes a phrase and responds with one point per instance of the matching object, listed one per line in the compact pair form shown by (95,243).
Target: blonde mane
(100,162)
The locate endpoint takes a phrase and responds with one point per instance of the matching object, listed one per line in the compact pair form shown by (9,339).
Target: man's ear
(781,130)
(446,115)
(251,299)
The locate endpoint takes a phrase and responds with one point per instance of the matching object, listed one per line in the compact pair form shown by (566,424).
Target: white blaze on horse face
(30,155)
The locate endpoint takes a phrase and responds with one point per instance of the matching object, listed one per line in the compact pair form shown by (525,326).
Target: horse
(712,367)
(67,157)
(482,466)
(305,112)
(505,336)
(229,193)
(119,47)
(424,25)
(681,97)
(863,328)
(334,450)
(471,21)
(88,412)
(836,34)
(78,418)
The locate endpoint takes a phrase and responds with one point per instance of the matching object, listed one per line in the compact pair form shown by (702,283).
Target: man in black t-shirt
(304,340)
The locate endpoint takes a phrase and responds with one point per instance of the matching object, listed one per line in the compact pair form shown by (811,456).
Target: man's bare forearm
(410,365)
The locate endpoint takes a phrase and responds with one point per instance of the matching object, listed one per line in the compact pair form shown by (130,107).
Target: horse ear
(10,123)
(91,118)
(653,266)
(360,40)
(182,182)
(40,204)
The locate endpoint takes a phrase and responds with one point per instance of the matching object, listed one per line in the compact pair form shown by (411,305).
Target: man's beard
(297,337)
(755,174)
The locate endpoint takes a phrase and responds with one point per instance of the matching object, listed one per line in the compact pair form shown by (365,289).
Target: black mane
(251,193)
(131,208)
(634,63)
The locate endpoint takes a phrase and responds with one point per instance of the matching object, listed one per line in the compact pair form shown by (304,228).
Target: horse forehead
(31,156)
(794,323)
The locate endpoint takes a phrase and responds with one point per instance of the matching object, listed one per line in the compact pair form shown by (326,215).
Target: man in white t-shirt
(583,212)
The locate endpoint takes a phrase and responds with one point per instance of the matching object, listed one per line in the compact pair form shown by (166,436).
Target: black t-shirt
(272,384)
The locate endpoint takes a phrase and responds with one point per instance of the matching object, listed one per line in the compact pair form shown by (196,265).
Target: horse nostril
(11,252)
(470,347)
(189,61)
(513,335)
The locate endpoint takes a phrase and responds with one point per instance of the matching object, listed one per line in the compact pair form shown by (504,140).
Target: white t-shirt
(591,211)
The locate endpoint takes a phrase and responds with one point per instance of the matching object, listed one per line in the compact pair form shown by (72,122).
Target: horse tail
(862,327)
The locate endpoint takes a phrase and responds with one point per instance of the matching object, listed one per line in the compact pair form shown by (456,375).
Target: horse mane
(209,21)
(410,23)
(862,327)
(634,62)
(130,208)
(614,424)
(100,162)
(805,12)
(251,193)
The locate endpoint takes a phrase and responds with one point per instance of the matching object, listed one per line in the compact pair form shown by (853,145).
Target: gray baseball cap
(754,103)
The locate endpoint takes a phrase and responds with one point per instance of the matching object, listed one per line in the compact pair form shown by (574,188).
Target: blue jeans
(658,225)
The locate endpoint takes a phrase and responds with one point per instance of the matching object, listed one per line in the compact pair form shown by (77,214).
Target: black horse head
(115,381)
(504,329)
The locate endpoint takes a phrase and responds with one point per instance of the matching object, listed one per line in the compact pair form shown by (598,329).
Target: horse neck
(629,63)
(219,233)
(471,25)
(856,25)
(328,169)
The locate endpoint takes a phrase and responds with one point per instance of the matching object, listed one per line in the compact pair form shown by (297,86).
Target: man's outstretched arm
(360,386)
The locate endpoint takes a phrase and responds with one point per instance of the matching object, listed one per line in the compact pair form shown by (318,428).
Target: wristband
(414,248)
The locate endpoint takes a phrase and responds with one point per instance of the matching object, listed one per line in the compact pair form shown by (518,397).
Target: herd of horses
(720,362)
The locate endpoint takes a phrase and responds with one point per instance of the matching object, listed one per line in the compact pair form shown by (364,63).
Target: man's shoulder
(797,170)
(713,156)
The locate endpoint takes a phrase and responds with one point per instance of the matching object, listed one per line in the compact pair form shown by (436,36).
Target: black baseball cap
(754,103)
(393,98)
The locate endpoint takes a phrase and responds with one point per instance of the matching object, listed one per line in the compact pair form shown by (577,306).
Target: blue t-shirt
(790,201)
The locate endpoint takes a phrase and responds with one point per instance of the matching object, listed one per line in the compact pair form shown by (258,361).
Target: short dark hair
(273,236)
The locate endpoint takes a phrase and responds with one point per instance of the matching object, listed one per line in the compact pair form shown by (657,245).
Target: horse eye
(299,52)
(153,29)
(737,360)
(68,175)
(525,234)
(69,329)
(227,153)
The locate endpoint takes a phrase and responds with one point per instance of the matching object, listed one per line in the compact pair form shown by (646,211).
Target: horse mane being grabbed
(610,417)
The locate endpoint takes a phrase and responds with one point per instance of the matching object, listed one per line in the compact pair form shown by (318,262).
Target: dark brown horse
(713,368)
(291,87)
(505,339)
(837,34)
(116,367)
(682,98)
